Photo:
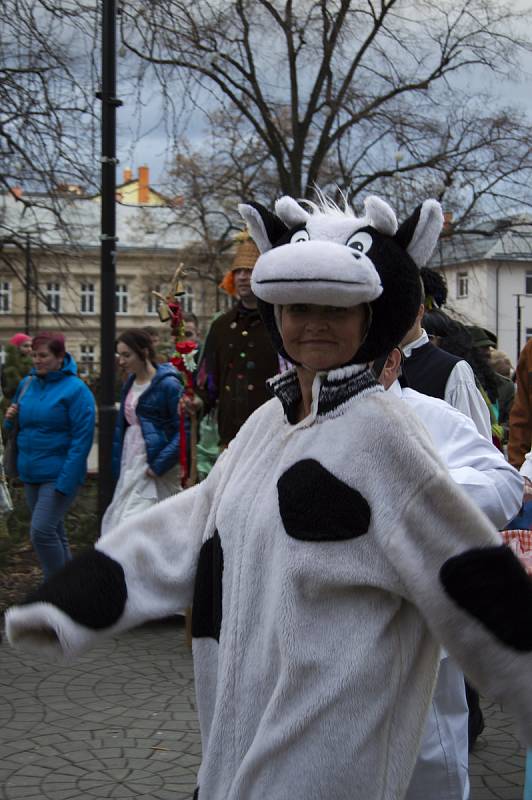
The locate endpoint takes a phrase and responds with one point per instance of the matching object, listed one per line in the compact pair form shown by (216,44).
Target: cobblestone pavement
(120,723)
(497,764)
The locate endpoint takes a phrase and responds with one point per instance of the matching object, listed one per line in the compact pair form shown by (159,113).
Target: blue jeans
(523,521)
(47,532)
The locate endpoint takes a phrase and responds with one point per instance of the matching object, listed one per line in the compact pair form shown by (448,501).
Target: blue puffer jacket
(159,420)
(56,428)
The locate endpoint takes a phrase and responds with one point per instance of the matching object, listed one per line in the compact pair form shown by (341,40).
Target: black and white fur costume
(316,604)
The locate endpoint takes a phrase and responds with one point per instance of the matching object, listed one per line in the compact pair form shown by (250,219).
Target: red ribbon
(182,349)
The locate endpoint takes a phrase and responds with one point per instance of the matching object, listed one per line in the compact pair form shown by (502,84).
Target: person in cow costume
(327,554)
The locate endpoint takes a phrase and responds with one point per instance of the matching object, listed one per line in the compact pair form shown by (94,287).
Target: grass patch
(81,522)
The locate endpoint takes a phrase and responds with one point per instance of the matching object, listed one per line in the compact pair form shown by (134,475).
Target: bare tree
(208,183)
(352,92)
(48,128)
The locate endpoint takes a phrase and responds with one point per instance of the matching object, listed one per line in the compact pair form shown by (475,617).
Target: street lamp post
(27,288)
(518,308)
(108,255)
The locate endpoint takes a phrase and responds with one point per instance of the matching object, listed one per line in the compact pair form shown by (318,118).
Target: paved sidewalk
(497,764)
(120,723)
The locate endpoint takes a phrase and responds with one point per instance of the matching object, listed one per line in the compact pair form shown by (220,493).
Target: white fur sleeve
(472,591)
(142,570)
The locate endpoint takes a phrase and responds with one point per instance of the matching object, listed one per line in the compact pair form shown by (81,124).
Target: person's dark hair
(191,317)
(437,323)
(456,339)
(138,340)
(150,330)
(484,372)
(55,342)
(434,287)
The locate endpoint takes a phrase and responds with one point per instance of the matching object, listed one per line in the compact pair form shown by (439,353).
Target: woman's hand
(150,473)
(190,405)
(12,411)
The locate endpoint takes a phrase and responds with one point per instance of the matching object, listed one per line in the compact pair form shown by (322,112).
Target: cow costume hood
(328,256)
(318,605)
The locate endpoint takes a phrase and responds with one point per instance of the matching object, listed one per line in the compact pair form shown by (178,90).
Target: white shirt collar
(395,389)
(419,342)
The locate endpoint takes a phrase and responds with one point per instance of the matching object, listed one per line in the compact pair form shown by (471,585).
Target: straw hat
(245,257)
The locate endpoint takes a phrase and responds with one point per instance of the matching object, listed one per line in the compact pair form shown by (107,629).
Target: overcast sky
(147,142)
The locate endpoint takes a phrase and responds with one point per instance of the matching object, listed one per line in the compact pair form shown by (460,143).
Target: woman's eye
(360,242)
(298,308)
(333,311)
(299,236)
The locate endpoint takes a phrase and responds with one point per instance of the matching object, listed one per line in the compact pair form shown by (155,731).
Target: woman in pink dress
(146,441)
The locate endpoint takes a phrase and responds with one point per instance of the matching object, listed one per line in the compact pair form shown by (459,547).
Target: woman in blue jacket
(146,440)
(55,412)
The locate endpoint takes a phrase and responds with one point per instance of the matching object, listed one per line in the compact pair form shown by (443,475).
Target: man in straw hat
(238,357)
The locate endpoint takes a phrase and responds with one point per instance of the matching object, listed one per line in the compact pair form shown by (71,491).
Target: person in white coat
(328,551)
(475,464)
(434,372)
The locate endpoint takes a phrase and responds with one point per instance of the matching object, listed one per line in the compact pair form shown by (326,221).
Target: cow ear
(264,227)
(419,233)
(380,215)
(290,212)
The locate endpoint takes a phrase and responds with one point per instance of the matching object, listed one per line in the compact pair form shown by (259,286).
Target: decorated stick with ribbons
(183,359)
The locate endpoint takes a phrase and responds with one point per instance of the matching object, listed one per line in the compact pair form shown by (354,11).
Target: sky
(145,141)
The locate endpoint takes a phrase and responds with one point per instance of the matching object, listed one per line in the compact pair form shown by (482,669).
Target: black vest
(427,370)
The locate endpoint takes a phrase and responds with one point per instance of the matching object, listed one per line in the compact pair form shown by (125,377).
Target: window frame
(87,360)
(188,299)
(152,302)
(462,280)
(122,299)
(89,294)
(53,289)
(6,294)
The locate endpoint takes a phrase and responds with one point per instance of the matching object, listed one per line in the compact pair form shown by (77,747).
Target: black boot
(475,724)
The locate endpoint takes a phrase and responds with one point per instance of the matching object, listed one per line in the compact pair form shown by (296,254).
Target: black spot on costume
(91,589)
(491,584)
(207,606)
(316,506)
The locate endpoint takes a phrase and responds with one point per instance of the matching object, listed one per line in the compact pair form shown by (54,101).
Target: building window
(188,300)
(53,297)
(462,284)
(5,297)
(121,304)
(86,359)
(528,283)
(153,303)
(528,334)
(88,298)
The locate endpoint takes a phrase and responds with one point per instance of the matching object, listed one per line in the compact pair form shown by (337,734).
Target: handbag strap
(24,389)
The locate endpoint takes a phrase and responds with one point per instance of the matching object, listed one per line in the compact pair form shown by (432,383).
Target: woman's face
(45,361)
(322,337)
(25,348)
(128,360)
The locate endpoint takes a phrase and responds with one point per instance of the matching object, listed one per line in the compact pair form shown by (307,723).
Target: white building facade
(50,280)
(489,280)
